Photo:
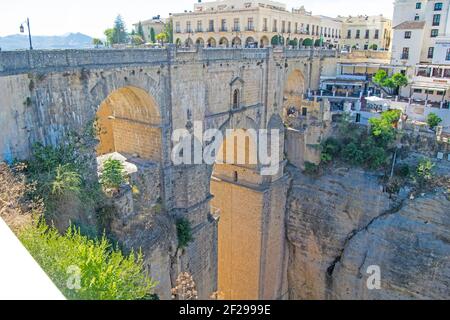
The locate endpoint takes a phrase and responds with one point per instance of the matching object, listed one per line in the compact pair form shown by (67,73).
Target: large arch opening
(294,90)
(235,199)
(129,131)
(128,122)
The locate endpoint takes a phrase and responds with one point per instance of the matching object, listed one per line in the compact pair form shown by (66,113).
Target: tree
(383,129)
(317,43)
(140,30)
(399,80)
(392,84)
(162,37)
(433,120)
(152,35)
(277,40)
(137,40)
(380,77)
(97,42)
(308,42)
(109,34)
(168,30)
(373,47)
(293,43)
(120,32)
(85,269)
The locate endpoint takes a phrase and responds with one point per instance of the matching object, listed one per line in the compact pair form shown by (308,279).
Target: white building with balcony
(421,49)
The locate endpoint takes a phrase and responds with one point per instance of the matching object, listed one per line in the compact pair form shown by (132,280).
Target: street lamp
(22,30)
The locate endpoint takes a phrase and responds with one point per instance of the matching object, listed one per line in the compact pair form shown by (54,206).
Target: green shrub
(308,42)
(311,168)
(330,149)
(425,170)
(65,180)
(353,154)
(184,233)
(433,120)
(112,176)
(104,272)
(383,129)
(403,170)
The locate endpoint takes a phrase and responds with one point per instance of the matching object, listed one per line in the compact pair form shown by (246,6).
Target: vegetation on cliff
(85,269)
(59,211)
(359,147)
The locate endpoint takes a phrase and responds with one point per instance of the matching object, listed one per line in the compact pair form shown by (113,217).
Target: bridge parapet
(20,62)
(16,62)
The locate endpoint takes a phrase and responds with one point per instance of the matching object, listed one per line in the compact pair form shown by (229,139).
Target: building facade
(366,32)
(252,23)
(156,23)
(421,46)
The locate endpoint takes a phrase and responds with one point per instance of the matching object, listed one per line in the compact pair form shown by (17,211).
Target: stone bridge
(138,97)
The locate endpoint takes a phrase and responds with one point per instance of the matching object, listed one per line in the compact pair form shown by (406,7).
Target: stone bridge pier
(138,98)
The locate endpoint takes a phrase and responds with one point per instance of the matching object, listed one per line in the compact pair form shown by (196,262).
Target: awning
(343,83)
(374,99)
(431,86)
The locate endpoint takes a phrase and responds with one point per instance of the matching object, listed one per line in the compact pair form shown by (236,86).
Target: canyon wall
(341,223)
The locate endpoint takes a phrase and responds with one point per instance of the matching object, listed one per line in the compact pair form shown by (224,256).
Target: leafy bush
(330,148)
(184,233)
(390,83)
(65,180)
(357,147)
(353,154)
(308,42)
(383,129)
(112,176)
(403,171)
(104,272)
(311,168)
(59,176)
(433,120)
(425,170)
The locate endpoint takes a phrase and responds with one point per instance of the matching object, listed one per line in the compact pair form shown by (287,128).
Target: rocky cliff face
(342,223)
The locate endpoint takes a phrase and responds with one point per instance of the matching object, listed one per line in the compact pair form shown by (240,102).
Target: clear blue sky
(56,17)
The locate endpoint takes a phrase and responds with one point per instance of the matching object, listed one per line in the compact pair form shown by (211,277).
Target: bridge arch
(294,90)
(129,122)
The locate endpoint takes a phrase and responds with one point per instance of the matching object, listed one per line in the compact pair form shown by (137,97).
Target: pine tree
(152,35)
(120,32)
(140,30)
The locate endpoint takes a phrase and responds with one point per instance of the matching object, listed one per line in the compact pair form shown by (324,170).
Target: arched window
(236,99)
